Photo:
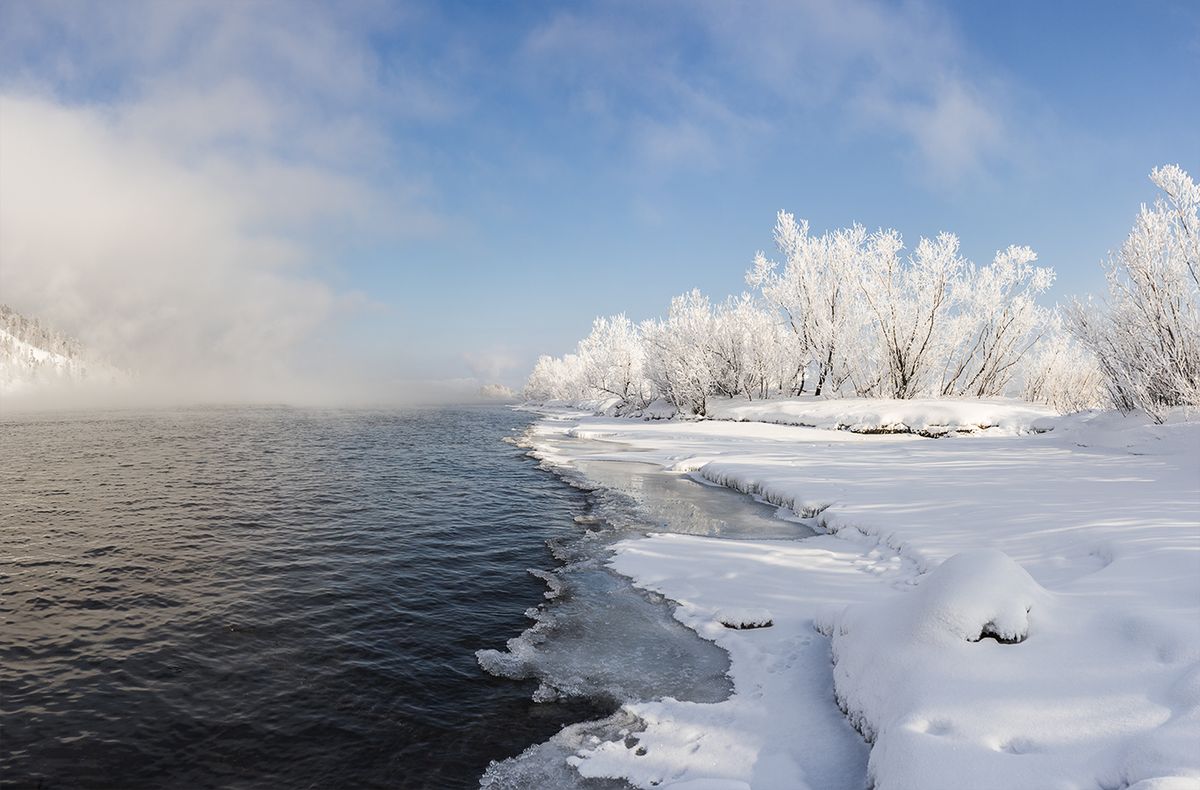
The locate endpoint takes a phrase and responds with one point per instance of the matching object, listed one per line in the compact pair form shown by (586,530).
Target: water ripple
(267,597)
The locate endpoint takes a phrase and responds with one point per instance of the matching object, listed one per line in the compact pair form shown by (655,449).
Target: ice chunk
(545,764)
(603,639)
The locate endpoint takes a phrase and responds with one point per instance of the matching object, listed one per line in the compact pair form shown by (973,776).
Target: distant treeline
(34,333)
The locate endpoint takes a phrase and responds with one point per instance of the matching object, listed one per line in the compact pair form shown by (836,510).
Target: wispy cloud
(492,365)
(952,128)
(712,81)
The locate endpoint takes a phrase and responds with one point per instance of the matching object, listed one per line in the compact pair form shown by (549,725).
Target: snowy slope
(23,365)
(1004,610)
(34,357)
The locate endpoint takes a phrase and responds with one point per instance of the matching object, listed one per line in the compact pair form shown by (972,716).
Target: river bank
(1021,608)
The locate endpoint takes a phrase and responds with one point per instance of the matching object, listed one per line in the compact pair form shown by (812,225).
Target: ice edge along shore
(1003,610)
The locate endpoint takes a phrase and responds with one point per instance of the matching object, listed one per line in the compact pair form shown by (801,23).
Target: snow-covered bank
(926,416)
(1005,610)
(929,417)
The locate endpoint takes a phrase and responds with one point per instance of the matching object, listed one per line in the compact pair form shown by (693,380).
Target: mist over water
(269,597)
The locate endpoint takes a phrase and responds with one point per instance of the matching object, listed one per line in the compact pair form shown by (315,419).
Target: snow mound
(969,597)
(658,410)
(925,416)
(1133,433)
(979,671)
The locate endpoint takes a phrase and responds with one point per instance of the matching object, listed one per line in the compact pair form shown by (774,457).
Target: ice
(781,727)
(545,765)
(602,639)
(674,502)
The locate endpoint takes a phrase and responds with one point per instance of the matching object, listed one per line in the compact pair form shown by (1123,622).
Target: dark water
(268,597)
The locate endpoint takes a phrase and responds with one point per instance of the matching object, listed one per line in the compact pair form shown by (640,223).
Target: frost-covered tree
(729,347)
(679,353)
(538,384)
(910,304)
(849,312)
(815,292)
(1061,372)
(869,320)
(773,366)
(613,361)
(744,348)
(31,332)
(556,378)
(1146,334)
(785,364)
(995,324)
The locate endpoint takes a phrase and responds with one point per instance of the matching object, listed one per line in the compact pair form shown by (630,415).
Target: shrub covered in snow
(1146,335)
(1061,372)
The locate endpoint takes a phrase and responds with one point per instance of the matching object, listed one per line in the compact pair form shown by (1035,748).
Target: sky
(372,201)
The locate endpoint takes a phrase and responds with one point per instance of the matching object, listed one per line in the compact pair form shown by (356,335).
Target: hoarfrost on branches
(613,361)
(680,353)
(1146,334)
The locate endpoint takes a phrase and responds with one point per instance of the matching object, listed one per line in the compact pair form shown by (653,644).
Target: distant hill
(34,356)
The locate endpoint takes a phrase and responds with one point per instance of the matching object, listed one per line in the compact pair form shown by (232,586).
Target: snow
(1008,609)
(877,415)
(780,727)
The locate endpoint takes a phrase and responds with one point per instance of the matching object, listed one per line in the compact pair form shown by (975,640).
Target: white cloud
(953,128)
(493,365)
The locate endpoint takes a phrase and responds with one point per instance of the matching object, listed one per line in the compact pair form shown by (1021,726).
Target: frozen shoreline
(1060,648)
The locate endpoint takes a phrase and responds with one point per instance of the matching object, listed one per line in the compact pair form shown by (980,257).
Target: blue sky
(383,194)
